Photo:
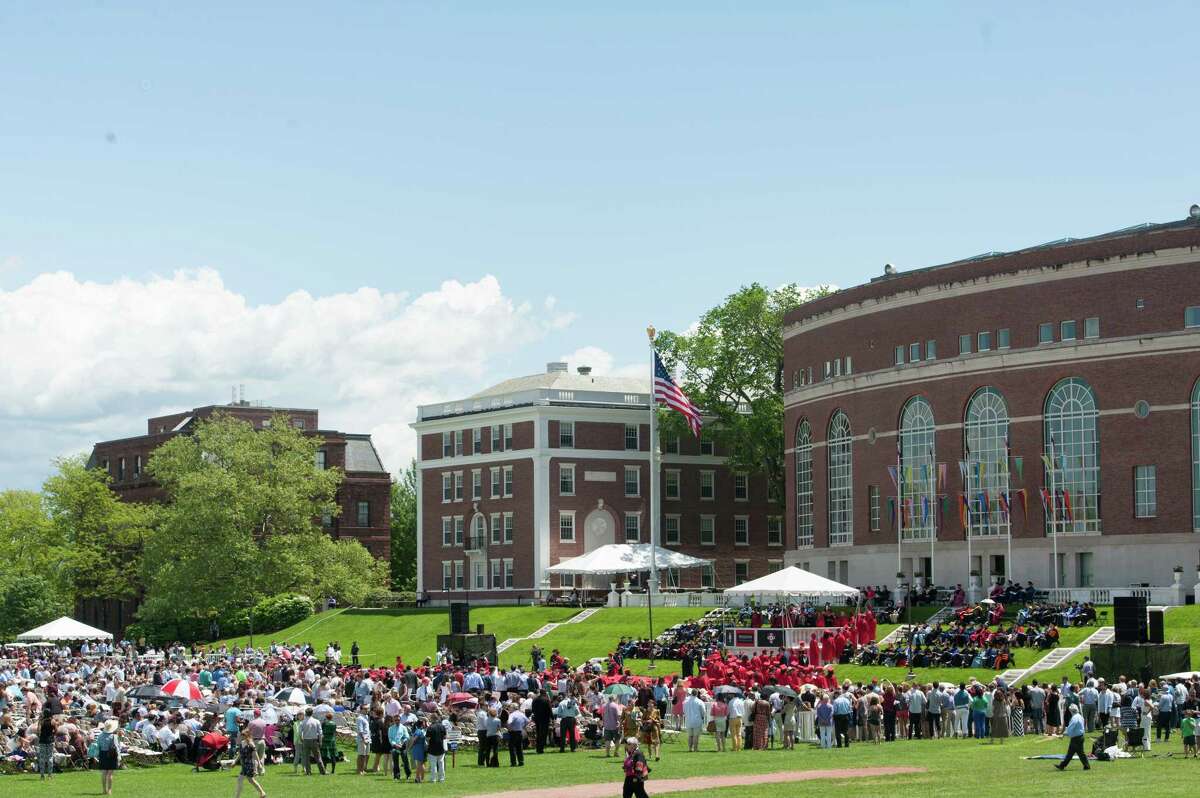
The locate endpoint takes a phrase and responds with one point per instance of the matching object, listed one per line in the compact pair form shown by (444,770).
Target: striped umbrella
(182,688)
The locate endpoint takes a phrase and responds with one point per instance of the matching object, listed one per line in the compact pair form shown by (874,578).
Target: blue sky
(636,165)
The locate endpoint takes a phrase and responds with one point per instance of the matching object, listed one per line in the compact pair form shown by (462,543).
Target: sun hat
(110,725)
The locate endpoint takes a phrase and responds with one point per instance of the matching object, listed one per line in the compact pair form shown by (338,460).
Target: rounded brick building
(1004,412)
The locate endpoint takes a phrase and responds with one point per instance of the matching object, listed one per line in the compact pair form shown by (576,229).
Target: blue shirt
(1075,726)
(841,705)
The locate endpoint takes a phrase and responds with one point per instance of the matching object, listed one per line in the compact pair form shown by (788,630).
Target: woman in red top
(636,771)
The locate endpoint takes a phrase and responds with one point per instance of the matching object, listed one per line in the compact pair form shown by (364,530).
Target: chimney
(584,370)
(556,367)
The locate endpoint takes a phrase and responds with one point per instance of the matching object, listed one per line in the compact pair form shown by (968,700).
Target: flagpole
(932,513)
(1008,563)
(1054,511)
(652,587)
(970,579)
(899,508)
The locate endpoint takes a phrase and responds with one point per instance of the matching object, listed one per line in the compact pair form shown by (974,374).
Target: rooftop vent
(1194,212)
(889,269)
(556,367)
(584,370)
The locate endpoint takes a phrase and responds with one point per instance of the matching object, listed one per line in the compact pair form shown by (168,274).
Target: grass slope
(955,769)
(598,635)
(383,635)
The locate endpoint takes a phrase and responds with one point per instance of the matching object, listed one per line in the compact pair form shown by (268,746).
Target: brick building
(543,468)
(364,495)
(1069,367)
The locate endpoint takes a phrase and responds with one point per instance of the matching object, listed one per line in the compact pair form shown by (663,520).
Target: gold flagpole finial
(651,332)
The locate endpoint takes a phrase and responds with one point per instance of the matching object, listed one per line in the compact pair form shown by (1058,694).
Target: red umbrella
(463,698)
(182,688)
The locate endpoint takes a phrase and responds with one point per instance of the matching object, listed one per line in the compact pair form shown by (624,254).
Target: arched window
(918,464)
(841,481)
(1196,457)
(1073,447)
(478,532)
(985,451)
(804,486)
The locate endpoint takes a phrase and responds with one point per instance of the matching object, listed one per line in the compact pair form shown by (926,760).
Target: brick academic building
(1046,393)
(364,495)
(540,469)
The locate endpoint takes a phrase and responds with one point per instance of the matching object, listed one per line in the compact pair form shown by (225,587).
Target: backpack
(104,742)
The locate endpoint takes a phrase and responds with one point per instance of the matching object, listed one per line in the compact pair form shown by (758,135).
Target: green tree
(404,530)
(28,600)
(102,537)
(29,541)
(242,508)
(731,366)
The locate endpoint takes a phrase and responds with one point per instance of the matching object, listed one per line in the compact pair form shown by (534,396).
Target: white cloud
(603,363)
(85,361)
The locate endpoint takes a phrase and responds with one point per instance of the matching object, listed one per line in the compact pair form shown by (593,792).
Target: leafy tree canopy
(731,366)
(404,530)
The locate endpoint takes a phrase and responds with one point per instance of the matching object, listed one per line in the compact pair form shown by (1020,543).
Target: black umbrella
(727,689)
(772,689)
(146,692)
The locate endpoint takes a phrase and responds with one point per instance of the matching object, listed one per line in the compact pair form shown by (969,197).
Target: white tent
(64,629)
(620,558)
(792,581)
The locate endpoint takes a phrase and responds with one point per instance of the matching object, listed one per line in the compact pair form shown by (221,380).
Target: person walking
(1074,734)
(310,743)
(418,751)
(824,715)
(362,739)
(248,760)
(636,771)
(842,709)
(398,738)
(736,712)
(720,719)
(650,731)
(329,749)
(45,749)
(108,755)
(962,709)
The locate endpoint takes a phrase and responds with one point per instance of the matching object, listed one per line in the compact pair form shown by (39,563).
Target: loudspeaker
(1129,619)
(1155,630)
(460,618)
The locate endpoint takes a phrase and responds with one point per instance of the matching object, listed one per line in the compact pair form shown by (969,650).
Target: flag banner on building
(1004,506)
(963,510)
(1067,505)
(892,510)
(982,469)
(1019,467)
(1046,463)
(924,473)
(941,476)
(892,473)
(924,510)
(1046,503)
(962,470)
(1024,504)
(984,505)
(667,392)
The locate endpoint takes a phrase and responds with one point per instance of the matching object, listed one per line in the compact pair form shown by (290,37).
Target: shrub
(278,612)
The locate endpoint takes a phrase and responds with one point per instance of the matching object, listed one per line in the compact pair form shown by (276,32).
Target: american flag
(668,393)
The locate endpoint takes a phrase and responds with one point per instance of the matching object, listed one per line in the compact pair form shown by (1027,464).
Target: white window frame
(508,437)
(477,440)
(496,574)
(711,476)
(744,566)
(1145,491)
(669,538)
(458,575)
(508,573)
(744,479)
(447,444)
(447,531)
(744,522)
(476,484)
(671,479)
(447,487)
(566,434)
(637,518)
(495,528)
(708,447)
(1091,321)
(566,515)
(459,529)
(458,443)
(507,473)
(637,482)
(711,520)
(447,576)
(566,473)
(774,530)
(497,441)
(458,486)
(509,527)
(496,484)
(479,575)
(637,437)
(708,576)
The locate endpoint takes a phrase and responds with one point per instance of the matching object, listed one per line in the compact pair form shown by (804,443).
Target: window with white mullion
(804,486)
(918,469)
(839,455)
(1072,443)
(985,440)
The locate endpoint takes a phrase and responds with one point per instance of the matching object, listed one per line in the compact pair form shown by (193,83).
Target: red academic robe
(828,651)
(814,651)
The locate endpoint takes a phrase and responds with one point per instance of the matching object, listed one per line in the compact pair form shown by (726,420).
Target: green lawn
(598,635)
(955,769)
(383,635)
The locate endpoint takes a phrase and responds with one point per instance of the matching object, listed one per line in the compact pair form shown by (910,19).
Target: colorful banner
(963,510)
(1019,467)
(962,470)
(1067,504)
(1024,505)
(892,473)
(941,476)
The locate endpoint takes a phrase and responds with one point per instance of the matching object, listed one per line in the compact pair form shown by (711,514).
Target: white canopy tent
(621,558)
(64,629)
(792,581)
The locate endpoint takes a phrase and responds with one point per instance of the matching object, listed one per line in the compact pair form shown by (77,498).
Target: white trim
(561,466)
(420,534)
(983,284)
(746,520)
(574,537)
(541,520)
(1093,350)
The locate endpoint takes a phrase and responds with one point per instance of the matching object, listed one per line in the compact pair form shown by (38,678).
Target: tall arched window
(1196,457)
(985,451)
(478,532)
(841,481)
(918,466)
(804,486)
(1073,446)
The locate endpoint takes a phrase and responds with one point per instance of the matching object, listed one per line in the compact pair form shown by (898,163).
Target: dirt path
(658,786)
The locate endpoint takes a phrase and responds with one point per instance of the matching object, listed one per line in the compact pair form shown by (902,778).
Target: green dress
(328,741)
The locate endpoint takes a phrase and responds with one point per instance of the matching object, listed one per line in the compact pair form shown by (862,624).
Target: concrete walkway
(547,629)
